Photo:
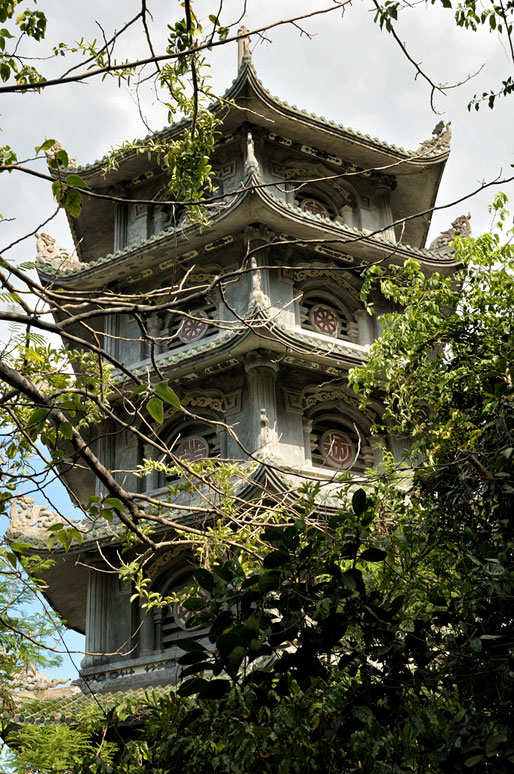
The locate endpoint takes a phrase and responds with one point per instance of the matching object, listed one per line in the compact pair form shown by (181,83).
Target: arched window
(338,440)
(176,618)
(194,441)
(171,623)
(170,330)
(323,312)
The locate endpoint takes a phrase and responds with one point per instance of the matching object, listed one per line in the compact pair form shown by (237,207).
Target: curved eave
(256,205)
(258,106)
(417,175)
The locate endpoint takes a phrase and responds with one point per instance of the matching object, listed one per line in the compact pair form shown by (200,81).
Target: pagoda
(258,346)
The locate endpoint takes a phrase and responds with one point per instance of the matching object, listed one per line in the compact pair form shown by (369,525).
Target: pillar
(262,415)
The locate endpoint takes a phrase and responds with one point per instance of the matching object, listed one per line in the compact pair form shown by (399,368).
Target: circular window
(325,320)
(192,329)
(337,449)
(193,449)
(182,615)
(314,207)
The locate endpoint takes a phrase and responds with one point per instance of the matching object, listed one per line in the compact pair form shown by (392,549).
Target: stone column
(120,225)
(152,479)
(378,445)
(307,430)
(154,327)
(147,635)
(262,402)
(366,337)
(385,214)
(158,628)
(96,617)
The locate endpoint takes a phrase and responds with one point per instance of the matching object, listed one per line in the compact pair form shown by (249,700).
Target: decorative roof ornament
(244,54)
(29,679)
(54,255)
(27,518)
(460,227)
(52,152)
(440,140)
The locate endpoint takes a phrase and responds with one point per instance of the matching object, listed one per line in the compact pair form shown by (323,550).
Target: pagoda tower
(257,344)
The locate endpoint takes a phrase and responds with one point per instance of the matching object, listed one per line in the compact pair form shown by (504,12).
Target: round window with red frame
(337,449)
(193,449)
(325,320)
(314,207)
(192,328)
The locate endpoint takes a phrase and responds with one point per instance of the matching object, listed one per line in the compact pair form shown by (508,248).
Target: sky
(338,65)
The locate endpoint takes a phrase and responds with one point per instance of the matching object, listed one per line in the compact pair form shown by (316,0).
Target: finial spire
(243,48)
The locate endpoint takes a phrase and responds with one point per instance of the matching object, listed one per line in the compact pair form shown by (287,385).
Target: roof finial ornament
(440,140)
(243,48)
(460,227)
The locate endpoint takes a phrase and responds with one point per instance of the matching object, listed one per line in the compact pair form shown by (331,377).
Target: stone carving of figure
(264,437)
(460,227)
(54,255)
(441,137)
(251,159)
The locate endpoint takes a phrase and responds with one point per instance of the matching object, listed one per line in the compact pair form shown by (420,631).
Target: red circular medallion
(193,449)
(325,320)
(314,207)
(337,449)
(192,329)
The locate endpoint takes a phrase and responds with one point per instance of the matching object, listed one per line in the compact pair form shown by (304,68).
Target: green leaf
(37,416)
(156,409)
(76,180)
(73,202)
(214,689)
(57,190)
(189,687)
(163,391)
(114,502)
(470,762)
(233,660)
(190,646)
(194,603)
(62,157)
(269,581)
(138,391)
(66,429)
(193,657)
(45,146)
(359,502)
(5,71)
(373,555)
(276,559)
(205,578)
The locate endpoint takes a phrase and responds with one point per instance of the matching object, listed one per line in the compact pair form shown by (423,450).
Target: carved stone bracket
(311,399)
